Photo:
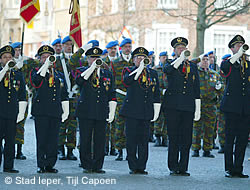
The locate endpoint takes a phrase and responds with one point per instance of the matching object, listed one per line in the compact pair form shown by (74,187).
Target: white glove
(22,109)
(157,108)
(86,47)
(179,60)
(86,74)
(218,85)
(65,108)
(3,71)
(197,113)
(44,68)
(138,70)
(19,62)
(163,91)
(236,56)
(112,107)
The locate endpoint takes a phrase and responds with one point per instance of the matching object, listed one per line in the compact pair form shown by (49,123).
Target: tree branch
(195,2)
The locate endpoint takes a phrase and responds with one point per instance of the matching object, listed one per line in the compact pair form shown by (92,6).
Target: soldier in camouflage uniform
(160,126)
(27,64)
(110,132)
(210,88)
(117,67)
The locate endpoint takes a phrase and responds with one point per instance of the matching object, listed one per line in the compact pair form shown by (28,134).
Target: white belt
(121,92)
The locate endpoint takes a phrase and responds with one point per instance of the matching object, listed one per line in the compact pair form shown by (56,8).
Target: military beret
(112,44)
(94,42)
(179,41)
(94,52)
(164,53)
(173,54)
(16,45)
(225,57)
(125,41)
(206,55)
(45,49)
(56,41)
(151,53)
(104,52)
(66,39)
(7,49)
(140,51)
(210,52)
(236,39)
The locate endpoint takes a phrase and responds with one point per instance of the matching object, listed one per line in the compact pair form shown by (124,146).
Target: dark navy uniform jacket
(94,99)
(139,100)
(47,100)
(236,97)
(11,95)
(181,92)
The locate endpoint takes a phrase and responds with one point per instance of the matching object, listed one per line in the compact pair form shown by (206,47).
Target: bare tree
(210,12)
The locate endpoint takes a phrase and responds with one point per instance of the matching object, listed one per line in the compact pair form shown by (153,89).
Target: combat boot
(19,154)
(164,142)
(195,153)
(119,156)
(70,155)
(208,154)
(158,141)
(61,151)
(221,150)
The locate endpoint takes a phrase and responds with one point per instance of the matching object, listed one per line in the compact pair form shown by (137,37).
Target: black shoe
(143,172)
(10,170)
(100,171)
(174,173)
(184,173)
(89,171)
(164,142)
(157,141)
(195,153)
(221,150)
(19,154)
(215,146)
(113,152)
(208,154)
(50,169)
(127,157)
(229,174)
(80,165)
(40,170)
(70,155)
(119,156)
(133,172)
(61,154)
(241,175)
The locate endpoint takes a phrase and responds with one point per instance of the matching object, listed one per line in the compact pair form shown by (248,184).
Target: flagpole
(22,39)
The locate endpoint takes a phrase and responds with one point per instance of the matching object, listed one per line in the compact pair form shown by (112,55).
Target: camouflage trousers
(221,128)
(160,126)
(204,128)
(67,131)
(19,139)
(110,133)
(119,124)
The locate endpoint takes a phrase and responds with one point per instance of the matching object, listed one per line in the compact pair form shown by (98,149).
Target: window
(164,39)
(228,4)
(115,6)
(131,5)
(167,4)
(99,7)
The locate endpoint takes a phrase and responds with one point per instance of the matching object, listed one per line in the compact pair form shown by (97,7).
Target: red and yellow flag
(29,9)
(75,23)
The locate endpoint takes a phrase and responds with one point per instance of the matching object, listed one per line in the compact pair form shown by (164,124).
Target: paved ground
(206,173)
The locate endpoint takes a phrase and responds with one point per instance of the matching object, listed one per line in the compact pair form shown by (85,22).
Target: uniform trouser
(160,126)
(7,132)
(204,128)
(221,128)
(110,134)
(120,139)
(87,128)
(137,133)
(19,139)
(67,131)
(237,131)
(180,125)
(47,129)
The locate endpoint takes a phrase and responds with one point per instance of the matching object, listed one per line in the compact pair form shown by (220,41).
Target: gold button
(185,82)
(54,94)
(54,85)
(97,101)
(145,96)
(98,96)
(184,87)
(243,78)
(38,100)
(8,96)
(183,92)
(54,90)
(98,91)
(8,100)
(54,99)
(243,88)
(145,101)
(243,83)
(243,94)
(9,92)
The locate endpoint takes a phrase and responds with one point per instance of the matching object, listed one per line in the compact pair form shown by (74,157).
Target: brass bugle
(187,53)
(98,62)
(146,61)
(11,63)
(52,58)
(245,47)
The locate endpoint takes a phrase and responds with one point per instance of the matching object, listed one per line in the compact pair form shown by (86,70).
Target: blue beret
(173,54)
(206,55)
(56,41)
(16,45)
(66,39)
(112,44)
(164,53)
(151,53)
(94,42)
(126,41)
(226,56)
(104,51)
(210,52)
